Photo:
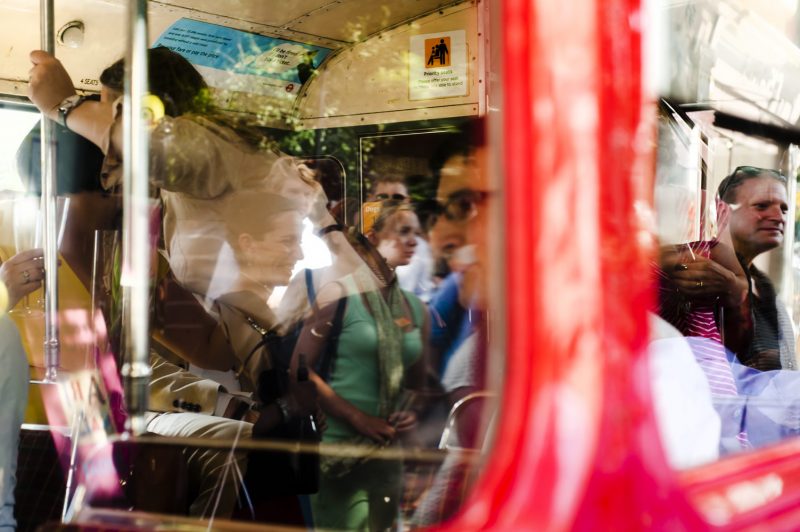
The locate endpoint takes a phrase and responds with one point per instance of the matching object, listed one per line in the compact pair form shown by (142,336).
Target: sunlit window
(17,123)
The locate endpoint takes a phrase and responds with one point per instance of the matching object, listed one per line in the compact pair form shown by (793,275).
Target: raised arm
(50,85)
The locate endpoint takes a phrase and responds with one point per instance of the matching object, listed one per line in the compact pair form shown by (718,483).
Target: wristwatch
(67,106)
(283,406)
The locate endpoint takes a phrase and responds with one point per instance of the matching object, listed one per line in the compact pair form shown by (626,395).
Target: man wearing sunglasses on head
(753,205)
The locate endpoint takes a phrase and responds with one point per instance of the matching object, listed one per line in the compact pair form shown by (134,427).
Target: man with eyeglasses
(460,236)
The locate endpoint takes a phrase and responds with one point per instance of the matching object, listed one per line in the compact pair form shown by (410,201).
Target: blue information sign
(238,60)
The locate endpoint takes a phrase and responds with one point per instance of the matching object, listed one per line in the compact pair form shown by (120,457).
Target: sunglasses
(396,196)
(741,173)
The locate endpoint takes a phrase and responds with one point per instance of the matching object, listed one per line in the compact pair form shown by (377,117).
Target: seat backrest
(468,421)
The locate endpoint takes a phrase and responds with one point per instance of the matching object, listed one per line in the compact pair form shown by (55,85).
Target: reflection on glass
(719,301)
(238,372)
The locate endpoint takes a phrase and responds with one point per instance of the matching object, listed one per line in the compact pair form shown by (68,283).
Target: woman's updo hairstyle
(387,211)
(171,77)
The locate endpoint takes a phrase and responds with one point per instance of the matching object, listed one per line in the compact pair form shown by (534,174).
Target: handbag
(290,471)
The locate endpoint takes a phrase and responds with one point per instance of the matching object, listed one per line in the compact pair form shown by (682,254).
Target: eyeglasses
(459,206)
(396,196)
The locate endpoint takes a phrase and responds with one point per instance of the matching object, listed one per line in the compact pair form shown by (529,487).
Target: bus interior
(358,265)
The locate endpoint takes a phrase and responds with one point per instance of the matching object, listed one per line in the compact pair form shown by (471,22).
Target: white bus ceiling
(367,66)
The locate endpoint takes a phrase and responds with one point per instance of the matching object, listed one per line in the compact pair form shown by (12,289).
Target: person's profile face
(758,216)
(398,239)
(271,258)
(461,194)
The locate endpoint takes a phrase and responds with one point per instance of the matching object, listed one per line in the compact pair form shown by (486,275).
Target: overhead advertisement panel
(236,60)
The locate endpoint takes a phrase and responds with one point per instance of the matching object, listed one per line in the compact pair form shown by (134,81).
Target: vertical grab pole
(135,221)
(49,241)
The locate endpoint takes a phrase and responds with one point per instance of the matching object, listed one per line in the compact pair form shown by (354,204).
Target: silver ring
(699,284)
(26,276)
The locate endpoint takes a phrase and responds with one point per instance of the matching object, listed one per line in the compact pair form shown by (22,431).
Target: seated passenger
(264,231)
(757,405)
(754,321)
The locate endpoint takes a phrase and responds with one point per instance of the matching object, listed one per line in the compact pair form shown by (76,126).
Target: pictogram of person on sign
(439,52)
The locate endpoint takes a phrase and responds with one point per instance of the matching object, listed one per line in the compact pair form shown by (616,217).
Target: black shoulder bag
(288,472)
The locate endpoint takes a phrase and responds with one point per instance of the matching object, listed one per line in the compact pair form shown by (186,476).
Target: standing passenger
(416,276)
(460,310)
(196,160)
(379,351)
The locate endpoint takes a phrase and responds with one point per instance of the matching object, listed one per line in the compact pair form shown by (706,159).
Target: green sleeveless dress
(367,497)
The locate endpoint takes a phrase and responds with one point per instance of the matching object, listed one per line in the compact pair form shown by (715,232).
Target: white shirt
(687,422)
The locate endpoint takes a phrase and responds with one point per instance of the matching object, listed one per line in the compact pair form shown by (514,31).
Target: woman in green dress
(364,385)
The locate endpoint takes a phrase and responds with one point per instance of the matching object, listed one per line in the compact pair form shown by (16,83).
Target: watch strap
(68,105)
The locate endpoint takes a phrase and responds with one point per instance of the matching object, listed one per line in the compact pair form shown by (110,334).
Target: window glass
(318,261)
(724,331)
(17,122)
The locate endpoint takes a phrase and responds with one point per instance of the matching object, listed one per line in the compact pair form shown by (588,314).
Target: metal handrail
(135,279)
(52,353)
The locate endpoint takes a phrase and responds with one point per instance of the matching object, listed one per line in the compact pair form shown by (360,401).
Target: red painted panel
(577,444)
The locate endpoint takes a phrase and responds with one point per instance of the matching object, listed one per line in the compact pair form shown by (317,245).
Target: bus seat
(464,427)
(464,439)
(41,482)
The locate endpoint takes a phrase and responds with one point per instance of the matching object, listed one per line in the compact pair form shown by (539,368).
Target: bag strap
(266,337)
(311,292)
(326,364)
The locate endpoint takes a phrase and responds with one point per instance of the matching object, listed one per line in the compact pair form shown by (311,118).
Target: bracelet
(330,229)
(283,406)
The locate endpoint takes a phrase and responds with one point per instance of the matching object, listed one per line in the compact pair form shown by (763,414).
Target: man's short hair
(386,179)
(727,188)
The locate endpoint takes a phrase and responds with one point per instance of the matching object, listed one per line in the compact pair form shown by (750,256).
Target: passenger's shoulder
(330,292)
